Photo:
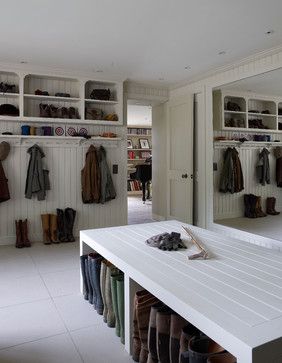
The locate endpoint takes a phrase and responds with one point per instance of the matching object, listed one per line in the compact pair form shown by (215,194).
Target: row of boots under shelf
(253,208)
(56,228)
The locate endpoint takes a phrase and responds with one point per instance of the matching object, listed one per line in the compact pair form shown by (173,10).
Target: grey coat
(263,170)
(107,186)
(37,179)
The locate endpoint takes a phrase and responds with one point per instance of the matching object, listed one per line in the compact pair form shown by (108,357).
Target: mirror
(247,175)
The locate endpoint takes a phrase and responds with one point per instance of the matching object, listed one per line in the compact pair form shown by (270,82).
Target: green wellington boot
(120,303)
(114,278)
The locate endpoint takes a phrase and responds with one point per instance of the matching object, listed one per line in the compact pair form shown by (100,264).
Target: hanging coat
(278,155)
(262,168)
(37,179)
(4,190)
(107,186)
(91,177)
(231,179)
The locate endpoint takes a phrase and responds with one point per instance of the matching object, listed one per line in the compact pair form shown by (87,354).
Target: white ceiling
(138,115)
(269,83)
(141,40)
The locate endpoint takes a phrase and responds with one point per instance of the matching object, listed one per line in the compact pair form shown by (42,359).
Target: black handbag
(100,94)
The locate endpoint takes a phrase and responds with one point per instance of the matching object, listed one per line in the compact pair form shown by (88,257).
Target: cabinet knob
(184,176)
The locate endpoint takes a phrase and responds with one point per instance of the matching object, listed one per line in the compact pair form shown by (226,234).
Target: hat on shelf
(4,150)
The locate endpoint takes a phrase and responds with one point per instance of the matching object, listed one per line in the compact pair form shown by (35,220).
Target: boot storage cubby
(236,111)
(54,99)
(242,313)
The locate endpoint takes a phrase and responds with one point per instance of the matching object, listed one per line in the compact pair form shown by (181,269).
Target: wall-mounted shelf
(52,98)
(9,95)
(102,102)
(226,143)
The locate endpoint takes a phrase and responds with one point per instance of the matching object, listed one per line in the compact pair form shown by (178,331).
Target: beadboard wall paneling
(228,205)
(64,162)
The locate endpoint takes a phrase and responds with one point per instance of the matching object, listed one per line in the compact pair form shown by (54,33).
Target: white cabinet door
(180,159)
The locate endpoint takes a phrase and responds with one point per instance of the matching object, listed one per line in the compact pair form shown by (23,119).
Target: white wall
(159,152)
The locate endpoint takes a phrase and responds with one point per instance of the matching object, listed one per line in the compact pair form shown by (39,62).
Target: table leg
(130,288)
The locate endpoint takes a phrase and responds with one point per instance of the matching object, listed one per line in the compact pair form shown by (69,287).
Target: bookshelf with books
(139,149)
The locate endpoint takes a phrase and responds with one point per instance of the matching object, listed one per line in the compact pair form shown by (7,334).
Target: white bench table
(235,297)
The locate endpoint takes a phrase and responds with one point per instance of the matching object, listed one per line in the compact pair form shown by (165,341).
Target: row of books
(133,185)
(139,131)
(138,155)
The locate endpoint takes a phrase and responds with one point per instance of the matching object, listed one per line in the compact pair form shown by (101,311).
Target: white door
(180,159)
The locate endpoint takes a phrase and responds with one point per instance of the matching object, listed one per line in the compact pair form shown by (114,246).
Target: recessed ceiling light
(222,52)
(187,67)
(23,62)
(269,32)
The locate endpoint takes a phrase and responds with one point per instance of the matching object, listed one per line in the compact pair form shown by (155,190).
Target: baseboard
(157,217)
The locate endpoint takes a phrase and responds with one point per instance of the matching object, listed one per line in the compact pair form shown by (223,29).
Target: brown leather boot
(25,239)
(53,228)
(270,206)
(19,241)
(177,323)
(45,218)
(259,211)
(222,358)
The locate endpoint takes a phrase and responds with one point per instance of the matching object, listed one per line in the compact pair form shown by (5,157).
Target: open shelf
(102,102)
(52,98)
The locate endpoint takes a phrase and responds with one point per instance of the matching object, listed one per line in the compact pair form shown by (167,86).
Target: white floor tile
(22,290)
(27,322)
(76,312)
(100,345)
(62,283)
(16,265)
(57,349)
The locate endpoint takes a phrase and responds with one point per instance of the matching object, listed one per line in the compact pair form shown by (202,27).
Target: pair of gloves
(166,241)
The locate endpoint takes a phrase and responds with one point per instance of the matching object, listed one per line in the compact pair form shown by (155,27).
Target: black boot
(62,235)
(83,258)
(247,205)
(69,219)
(253,203)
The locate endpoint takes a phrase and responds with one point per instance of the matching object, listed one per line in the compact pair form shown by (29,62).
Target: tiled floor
(43,317)
(138,212)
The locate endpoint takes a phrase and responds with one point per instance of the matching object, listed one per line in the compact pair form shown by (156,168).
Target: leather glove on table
(172,242)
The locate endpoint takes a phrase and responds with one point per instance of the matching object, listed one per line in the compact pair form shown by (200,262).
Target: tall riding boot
(92,299)
(222,358)
(61,226)
(200,349)
(45,218)
(270,206)
(103,288)
(53,228)
(259,211)
(25,239)
(187,333)
(83,258)
(247,206)
(120,303)
(114,278)
(177,323)
(152,334)
(19,241)
(70,217)
(253,203)
(163,333)
(87,275)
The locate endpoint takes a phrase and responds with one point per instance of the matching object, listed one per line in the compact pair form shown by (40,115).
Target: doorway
(139,162)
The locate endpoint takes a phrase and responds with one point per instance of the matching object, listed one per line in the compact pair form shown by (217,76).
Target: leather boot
(177,323)
(259,211)
(152,334)
(69,218)
(187,333)
(139,298)
(92,299)
(83,274)
(25,239)
(120,301)
(222,358)
(202,348)
(253,203)
(163,333)
(53,228)
(45,218)
(247,206)
(270,206)
(19,241)
(61,226)
(87,275)
(103,288)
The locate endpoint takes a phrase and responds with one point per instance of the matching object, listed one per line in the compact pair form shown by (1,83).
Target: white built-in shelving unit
(253,109)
